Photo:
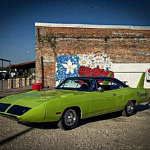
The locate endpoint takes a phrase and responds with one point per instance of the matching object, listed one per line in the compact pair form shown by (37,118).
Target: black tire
(69,119)
(129,109)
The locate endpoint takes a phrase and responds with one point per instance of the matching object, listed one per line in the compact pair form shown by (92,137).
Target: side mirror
(100,89)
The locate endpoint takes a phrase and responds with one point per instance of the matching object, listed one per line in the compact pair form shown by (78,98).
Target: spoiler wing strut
(141,81)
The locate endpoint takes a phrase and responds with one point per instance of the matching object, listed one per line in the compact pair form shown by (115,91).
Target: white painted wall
(130,72)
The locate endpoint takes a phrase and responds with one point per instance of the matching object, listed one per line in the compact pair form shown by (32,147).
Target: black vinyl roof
(99,78)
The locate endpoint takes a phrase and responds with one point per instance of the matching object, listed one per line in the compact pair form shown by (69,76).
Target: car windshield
(75,84)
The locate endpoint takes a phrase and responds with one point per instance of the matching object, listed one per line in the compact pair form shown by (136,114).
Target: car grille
(3,107)
(18,110)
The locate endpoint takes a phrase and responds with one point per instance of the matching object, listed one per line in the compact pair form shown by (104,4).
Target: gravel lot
(110,131)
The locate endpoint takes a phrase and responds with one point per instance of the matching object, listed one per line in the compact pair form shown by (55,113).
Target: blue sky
(18,17)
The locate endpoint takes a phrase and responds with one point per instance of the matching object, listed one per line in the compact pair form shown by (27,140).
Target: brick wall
(122,44)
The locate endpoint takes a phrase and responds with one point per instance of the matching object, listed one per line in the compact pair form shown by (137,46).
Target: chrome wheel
(70,117)
(129,109)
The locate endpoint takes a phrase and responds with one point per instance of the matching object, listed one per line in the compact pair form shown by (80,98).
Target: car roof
(93,77)
(99,78)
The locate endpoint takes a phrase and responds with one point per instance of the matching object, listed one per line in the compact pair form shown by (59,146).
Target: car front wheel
(129,109)
(69,119)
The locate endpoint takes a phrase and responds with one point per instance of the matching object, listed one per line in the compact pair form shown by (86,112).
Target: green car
(73,99)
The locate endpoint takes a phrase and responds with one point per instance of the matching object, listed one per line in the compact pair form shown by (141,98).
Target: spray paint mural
(82,65)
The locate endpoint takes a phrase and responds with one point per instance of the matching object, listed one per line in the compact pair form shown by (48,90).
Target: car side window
(97,87)
(114,86)
(101,86)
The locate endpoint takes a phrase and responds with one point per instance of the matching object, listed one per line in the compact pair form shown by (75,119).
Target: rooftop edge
(37,24)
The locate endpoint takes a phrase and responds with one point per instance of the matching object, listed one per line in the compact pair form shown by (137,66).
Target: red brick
(122,45)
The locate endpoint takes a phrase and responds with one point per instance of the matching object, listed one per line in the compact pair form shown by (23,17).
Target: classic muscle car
(73,99)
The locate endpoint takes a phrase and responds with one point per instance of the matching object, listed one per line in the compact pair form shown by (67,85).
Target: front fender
(36,114)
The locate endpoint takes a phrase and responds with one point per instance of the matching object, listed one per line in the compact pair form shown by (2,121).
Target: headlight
(4,106)
(18,110)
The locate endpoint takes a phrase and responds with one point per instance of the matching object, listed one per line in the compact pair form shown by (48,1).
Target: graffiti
(93,61)
(89,72)
(82,65)
(69,67)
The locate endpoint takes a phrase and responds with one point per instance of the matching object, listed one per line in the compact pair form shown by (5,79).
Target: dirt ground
(106,132)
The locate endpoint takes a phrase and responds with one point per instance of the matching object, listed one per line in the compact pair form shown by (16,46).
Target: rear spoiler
(141,81)
(107,82)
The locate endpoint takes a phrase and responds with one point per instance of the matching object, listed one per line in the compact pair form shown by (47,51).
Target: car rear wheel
(129,109)
(69,119)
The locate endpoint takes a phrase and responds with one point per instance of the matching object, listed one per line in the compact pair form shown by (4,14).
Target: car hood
(51,94)
(34,98)
(28,99)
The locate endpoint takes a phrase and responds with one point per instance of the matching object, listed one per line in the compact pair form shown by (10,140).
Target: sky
(18,17)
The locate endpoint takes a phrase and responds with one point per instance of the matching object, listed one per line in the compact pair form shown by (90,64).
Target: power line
(114,8)
(14,42)
(28,50)
(95,7)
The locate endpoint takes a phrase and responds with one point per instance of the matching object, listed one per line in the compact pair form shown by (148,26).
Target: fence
(15,83)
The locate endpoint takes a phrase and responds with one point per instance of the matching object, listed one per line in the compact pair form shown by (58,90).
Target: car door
(103,101)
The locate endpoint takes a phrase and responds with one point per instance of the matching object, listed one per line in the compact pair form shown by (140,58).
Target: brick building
(125,50)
